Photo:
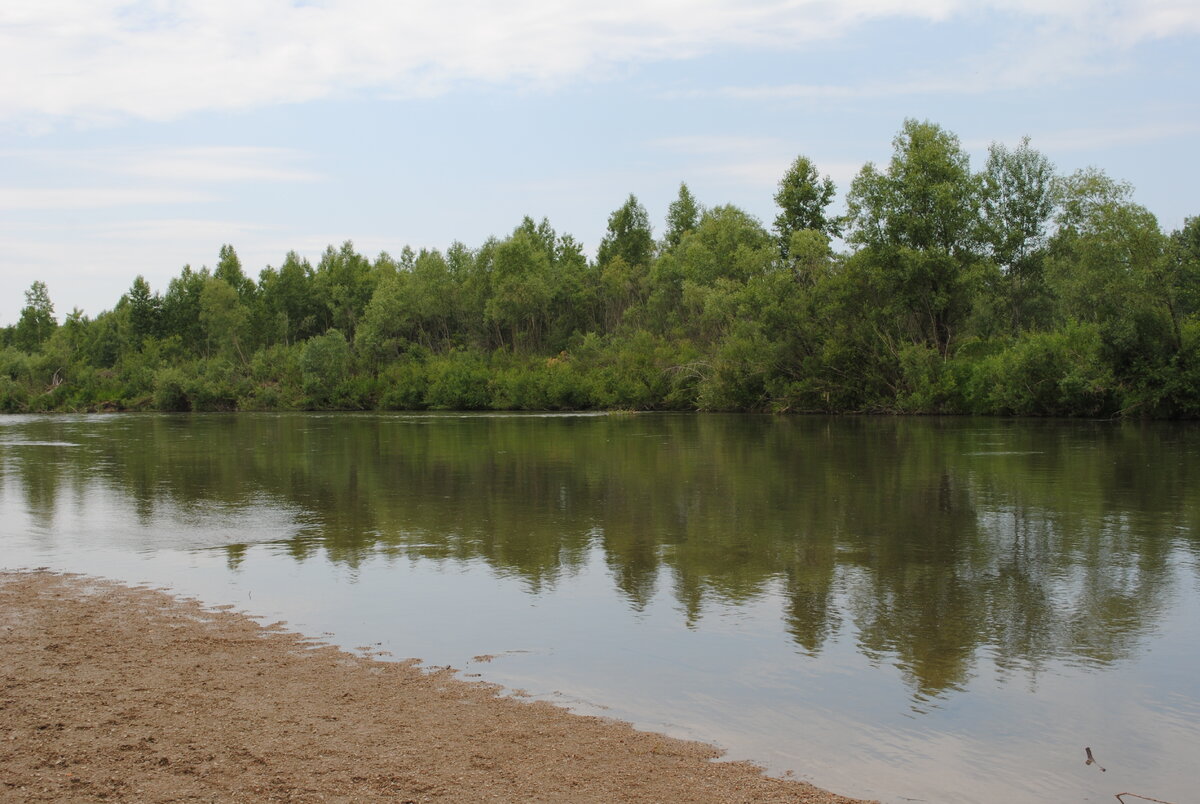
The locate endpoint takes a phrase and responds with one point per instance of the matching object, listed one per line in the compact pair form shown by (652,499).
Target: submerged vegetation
(1010,290)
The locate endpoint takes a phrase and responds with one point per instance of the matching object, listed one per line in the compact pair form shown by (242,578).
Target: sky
(137,137)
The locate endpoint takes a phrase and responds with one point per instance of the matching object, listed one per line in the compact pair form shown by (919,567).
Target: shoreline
(120,693)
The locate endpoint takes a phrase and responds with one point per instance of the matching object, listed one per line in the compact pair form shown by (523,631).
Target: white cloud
(756,162)
(160,59)
(1088,139)
(1156,19)
(200,164)
(165,231)
(1053,55)
(216,164)
(717,144)
(1055,42)
(145,177)
(38,198)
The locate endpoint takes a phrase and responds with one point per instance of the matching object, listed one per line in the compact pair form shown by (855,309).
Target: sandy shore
(127,694)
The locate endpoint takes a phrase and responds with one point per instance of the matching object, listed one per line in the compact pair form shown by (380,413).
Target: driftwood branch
(1143,798)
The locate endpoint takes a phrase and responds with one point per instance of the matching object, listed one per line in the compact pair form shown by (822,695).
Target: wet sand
(114,693)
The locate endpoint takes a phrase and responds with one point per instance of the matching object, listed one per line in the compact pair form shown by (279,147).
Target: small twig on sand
(1143,798)
(1091,760)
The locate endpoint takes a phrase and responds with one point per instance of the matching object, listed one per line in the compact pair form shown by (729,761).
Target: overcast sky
(136,137)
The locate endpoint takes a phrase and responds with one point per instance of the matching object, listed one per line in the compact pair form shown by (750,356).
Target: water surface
(939,610)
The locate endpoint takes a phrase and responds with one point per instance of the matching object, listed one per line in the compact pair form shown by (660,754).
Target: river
(905,608)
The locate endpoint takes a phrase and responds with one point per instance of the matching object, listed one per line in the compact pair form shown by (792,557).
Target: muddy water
(942,610)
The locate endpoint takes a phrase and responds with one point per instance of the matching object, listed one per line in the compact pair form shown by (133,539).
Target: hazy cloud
(201,164)
(750,161)
(217,164)
(717,144)
(1050,55)
(36,198)
(1086,139)
(159,59)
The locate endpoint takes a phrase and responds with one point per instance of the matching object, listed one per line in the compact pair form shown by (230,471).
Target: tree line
(1008,290)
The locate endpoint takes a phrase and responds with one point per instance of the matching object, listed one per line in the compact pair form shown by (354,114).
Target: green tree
(916,227)
(390,321)
(521,299)
(1017,203)
(229,270)
(1185,265)
(290,297)
(435,296)
(473,270)
(74,331)
(927,200)
(325,364)
(619,287)
(811,256)
(803,197)
(344,280)
(682,216)
(36,323)
(145,311)
(727,243)
(181,309)
(572,293)
(224,319)
(628,235)
(1105,265)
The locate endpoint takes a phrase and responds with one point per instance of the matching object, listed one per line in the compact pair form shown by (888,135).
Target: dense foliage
(1011,290)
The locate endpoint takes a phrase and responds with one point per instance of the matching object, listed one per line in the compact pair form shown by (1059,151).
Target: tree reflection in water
(935,540)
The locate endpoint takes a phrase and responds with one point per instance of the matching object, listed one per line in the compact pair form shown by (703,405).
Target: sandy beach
(129,694)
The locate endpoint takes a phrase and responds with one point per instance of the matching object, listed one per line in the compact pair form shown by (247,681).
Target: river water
(944,610)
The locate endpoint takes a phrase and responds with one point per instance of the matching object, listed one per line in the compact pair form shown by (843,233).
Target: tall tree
(181,308)
(389,321)
(224,319)
(728,243)
(1105,268)
(346,282)
(682,216)
(325,363)
(1185,262)
(291,299)
(573,297)
(803,197)
(520,305)
(1017,203)
(229,270)
(916,226)
(628,236)
(37,318)
(145,310)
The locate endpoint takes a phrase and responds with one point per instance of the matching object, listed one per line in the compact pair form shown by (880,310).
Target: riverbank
(122,694)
